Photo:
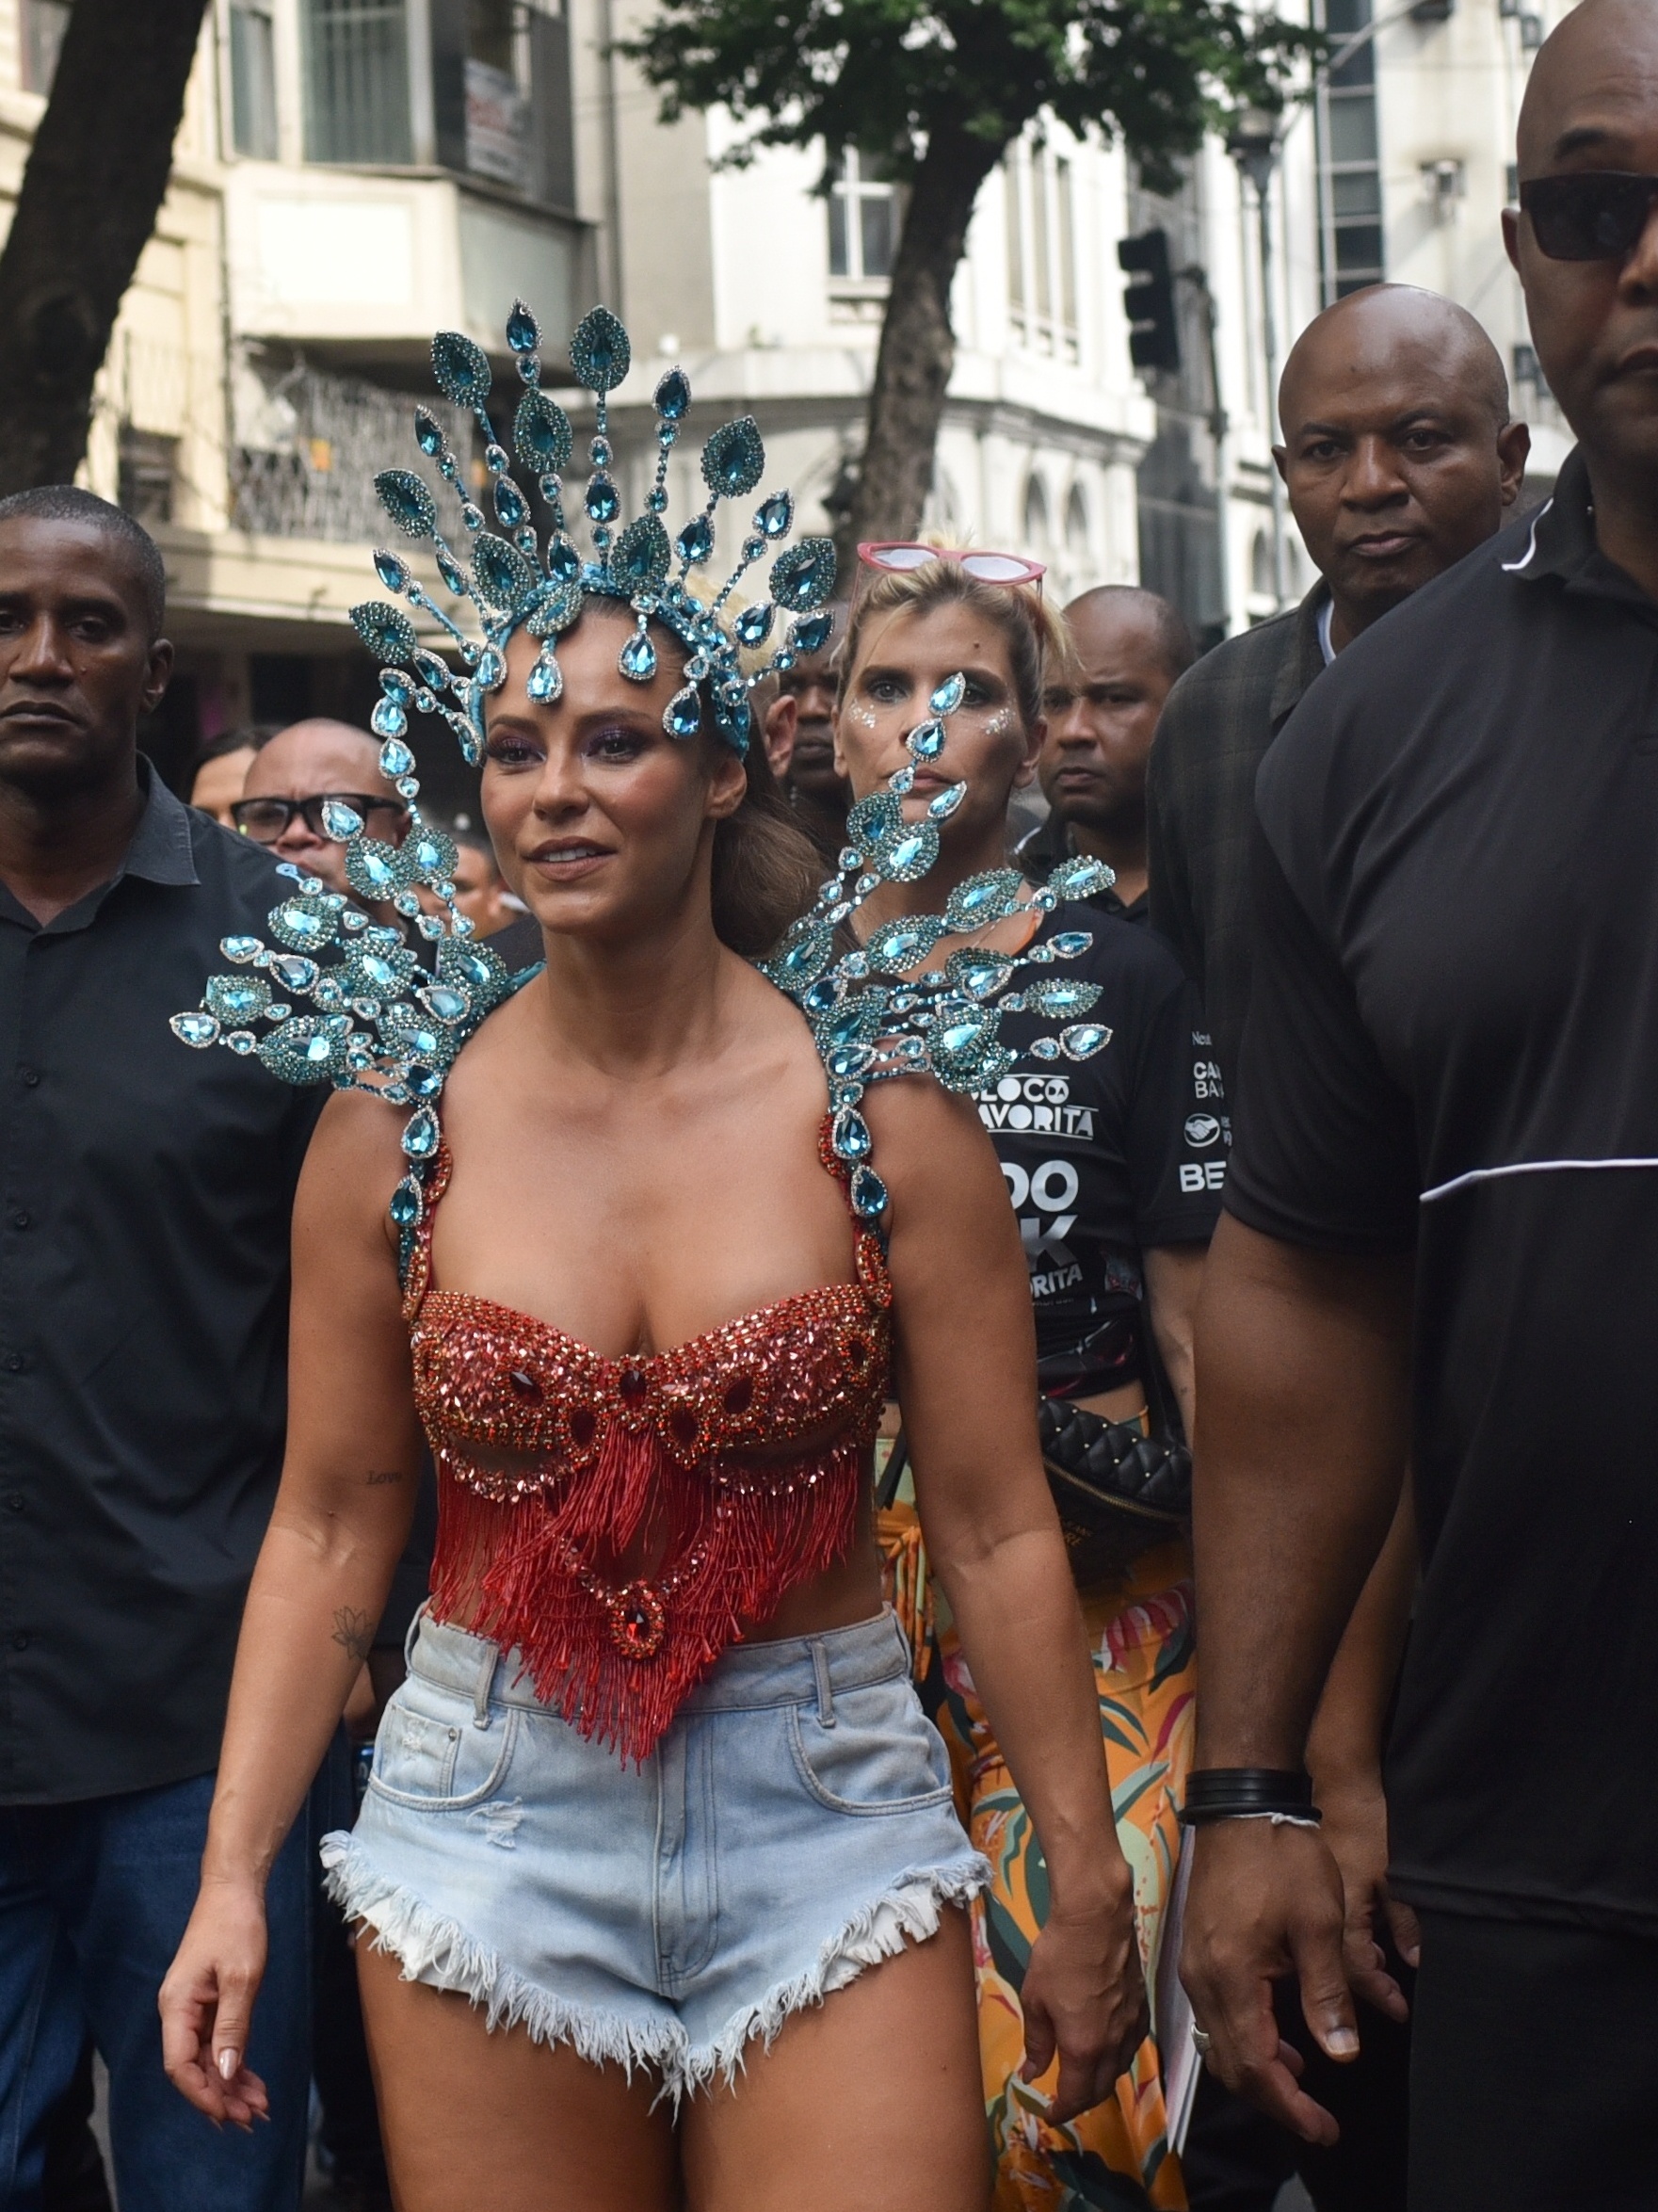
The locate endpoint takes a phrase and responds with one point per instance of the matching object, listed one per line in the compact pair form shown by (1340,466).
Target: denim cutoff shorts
(795,1825)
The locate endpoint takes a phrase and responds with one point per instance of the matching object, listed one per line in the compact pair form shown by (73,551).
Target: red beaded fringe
(618,1659)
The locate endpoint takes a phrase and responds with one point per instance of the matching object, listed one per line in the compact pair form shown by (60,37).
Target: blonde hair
(1039,647)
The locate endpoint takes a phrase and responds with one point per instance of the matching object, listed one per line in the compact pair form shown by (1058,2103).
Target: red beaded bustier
(734,1463)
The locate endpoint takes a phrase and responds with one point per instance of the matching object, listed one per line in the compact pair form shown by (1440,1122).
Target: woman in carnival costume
(658,1882)
(1116,1233)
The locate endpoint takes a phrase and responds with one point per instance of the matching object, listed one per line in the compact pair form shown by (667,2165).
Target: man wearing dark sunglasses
(1441,1211)
(291,777)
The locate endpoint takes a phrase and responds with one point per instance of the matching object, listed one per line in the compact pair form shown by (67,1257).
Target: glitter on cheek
(861,716)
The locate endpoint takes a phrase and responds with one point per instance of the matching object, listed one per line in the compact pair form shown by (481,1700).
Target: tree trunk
(94,182)
(918,346)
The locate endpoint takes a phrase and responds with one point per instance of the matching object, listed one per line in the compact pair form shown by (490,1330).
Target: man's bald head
(1101,617)
(1591,105)
(1595,75)
(314,760)
(1398,453)
(1385,326)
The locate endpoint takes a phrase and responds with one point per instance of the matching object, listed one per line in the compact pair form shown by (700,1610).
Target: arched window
(1076,522)
(1036,531)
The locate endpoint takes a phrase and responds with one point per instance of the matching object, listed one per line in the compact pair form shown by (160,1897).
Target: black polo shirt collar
(1563,548)
(159,852)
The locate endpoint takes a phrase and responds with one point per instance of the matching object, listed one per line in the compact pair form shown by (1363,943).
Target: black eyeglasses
(265,819)
(1592,215)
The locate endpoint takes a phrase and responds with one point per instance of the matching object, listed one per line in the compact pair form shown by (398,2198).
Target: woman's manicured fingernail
(228,2061)
(1341,2042)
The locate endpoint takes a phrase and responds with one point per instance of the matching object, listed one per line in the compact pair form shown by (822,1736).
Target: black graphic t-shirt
(1107,1156)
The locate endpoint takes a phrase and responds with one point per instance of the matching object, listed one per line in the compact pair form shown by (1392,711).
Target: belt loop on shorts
(486,1681)
(826,1695)
(412,1636)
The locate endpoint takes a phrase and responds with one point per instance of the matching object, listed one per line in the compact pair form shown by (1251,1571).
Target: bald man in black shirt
(1439,1224)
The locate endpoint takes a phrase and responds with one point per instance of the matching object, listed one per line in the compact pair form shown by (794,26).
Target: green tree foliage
(938,92)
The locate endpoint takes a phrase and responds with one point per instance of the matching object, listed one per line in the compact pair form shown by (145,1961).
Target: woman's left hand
(1084,1996)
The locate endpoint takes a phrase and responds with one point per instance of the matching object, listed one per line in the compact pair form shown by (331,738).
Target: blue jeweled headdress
(382,1022)
(515,581)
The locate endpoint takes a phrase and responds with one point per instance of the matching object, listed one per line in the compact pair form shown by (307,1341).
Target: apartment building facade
(352,174)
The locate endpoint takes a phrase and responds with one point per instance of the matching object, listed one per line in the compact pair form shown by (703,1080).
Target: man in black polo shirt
(1442,1212)
(1398,457)
(143,1312)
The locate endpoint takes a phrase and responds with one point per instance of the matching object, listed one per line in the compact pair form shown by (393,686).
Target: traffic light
(1153,336)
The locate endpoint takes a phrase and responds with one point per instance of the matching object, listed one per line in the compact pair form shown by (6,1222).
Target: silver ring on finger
(1202,2042)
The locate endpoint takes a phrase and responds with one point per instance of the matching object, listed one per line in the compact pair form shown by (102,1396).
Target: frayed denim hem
(441,1953)
(907,1912)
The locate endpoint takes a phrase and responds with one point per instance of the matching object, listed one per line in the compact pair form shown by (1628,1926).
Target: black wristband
(1232,1793)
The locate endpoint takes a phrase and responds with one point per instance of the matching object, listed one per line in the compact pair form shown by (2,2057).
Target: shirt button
(15,1501)
(28,1077)
(20,1642)
(20,1220)
(17,1363)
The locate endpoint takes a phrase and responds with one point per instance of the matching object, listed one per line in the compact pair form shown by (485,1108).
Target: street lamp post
(1253,144)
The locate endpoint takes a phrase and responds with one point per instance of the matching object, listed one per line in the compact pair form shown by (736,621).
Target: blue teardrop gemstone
(391,570)
(405,1205)
(431,670)
(408,502)
(388,720)
(926,741)
(387,631)
(509,504)
(523,333)
(637,659)
(395,758)
(683,715)
(949,695)
(602,502)
(599,350)
(450,569)
(428,434)
(197,1029)
(1083,1040)
(850,1135)
(774,516)
(292,971)
(733,458)
(541,432)
(753,625)
(448,1004)
(942,808)
(340,820)
(460,369)
(812,633)
(240,948)
(1070,944)
(421,1138)
(564,564)
(695,543)
(673,395)
(869,1193)
(804,575)
(546,681)
(491,668)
